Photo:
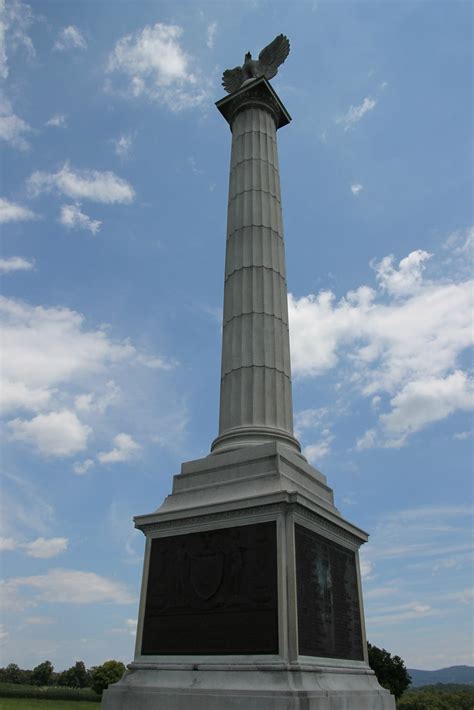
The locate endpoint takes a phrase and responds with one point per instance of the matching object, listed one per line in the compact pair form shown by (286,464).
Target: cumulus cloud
(355,113)
(157,66)
(70,38)
(405,279)
(422,402)
(125,449)
(53,434)
(74,587)
(92,185)
(356,188)
(73,218)
(56,121)
(45,347)
(41,548)
(12,212)
(13,128)
(407,349)
(15,263)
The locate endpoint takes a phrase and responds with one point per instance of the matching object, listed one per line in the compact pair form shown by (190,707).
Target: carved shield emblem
(206,573)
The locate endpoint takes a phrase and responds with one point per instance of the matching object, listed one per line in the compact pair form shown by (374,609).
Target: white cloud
(315,452)
(367,440)
(73,218)
(17,395)
(125,449)
(92,402)
(13,128)
(42,548)
(53,434)
(356,188)
(92,185)
(366,567)
(407,349)
(15,263)
(158,67)
(355,113)
(407,278)
(12,212)
(74,587)
(81,467)
(401,612)
(123,144)
(463,435)
(211,34)
(44,347)
(15,20)
(70,38)
(422,402)
(56,121)
(7,544)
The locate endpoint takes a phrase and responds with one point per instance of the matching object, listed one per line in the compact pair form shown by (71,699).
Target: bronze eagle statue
(266,65)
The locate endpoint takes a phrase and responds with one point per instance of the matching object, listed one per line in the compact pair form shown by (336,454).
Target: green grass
(46,704)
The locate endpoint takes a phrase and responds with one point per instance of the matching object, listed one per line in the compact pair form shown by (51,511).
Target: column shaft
(256,400)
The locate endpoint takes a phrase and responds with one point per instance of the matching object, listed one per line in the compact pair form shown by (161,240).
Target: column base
(161,689)
(243,437)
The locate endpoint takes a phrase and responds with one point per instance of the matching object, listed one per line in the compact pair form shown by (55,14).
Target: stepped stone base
(336,689)
(250,594)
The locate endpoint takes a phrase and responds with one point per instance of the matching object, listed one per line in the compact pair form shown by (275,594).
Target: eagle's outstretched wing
(232,79)
(272,56)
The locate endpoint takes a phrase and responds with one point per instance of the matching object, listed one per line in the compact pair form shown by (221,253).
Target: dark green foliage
(109,672)
(390,670)
(13,674)
(438,697)
(75,677)
(16,690)
(43,674)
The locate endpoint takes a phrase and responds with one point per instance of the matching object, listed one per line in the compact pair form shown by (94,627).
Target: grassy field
(46,704)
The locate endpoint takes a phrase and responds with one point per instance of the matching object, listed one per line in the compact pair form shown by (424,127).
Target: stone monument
(251,593)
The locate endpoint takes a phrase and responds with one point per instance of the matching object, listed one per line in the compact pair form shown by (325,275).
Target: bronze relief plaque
(213,592)
(329,623)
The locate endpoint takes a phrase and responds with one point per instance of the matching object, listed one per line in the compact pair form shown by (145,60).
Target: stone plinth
(250,571)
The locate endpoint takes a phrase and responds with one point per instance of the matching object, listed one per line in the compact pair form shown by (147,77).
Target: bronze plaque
(329,622)
(213,592)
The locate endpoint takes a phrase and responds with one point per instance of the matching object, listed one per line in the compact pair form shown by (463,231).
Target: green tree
(12,673)
(102,676)
(42,674)
(390,670)
(75,677)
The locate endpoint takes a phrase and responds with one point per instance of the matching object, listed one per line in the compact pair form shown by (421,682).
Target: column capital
(254,93)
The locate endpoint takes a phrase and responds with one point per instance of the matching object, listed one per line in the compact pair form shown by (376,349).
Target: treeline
(77,676)
(449,696)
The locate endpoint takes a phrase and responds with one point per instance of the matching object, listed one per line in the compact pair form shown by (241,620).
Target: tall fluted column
(256,399)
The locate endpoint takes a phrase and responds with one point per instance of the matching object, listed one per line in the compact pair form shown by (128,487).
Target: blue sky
(113,208)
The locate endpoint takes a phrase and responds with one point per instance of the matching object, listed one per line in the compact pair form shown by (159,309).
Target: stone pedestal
(251,594)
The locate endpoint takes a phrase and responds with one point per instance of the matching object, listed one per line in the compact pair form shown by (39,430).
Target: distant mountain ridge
(453,674)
